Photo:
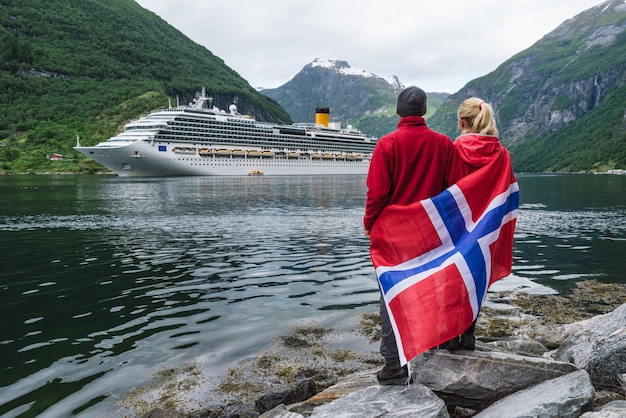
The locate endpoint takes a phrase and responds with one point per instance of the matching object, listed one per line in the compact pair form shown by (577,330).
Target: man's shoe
(468,341)
(451,345)
(393,374)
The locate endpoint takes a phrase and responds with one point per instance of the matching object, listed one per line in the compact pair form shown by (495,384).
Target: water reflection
(571,227)
(139,273)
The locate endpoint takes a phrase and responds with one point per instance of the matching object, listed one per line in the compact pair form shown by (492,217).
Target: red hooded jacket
(476,151)
(408,165)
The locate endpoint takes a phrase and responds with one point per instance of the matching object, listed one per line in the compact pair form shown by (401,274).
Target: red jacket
(408,165)
(476,151)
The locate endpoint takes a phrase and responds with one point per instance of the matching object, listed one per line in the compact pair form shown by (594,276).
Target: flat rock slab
(564,397)
(470,378)
(386,401)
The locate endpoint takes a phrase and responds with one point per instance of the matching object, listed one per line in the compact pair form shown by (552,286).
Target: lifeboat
(184,150)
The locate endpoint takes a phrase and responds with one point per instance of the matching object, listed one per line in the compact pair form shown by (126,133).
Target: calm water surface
(104,280)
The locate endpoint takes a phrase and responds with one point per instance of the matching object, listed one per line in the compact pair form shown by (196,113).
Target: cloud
(439,46)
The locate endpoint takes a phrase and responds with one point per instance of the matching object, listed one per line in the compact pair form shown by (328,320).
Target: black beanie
(411,102)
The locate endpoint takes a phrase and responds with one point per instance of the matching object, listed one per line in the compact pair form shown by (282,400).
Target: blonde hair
(479,116)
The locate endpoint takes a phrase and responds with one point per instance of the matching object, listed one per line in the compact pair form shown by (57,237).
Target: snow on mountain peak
(343,67)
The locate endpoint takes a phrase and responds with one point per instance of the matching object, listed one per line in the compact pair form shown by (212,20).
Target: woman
(477,146)
(478,143)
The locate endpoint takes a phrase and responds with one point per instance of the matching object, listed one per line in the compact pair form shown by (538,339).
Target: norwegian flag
(435,259)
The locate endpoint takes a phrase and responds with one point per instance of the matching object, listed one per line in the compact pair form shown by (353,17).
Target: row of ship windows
(201,133)
(277,144)
(250,133)
(299,164)
(267,160)
(231,122)
(196,127)
(228,127)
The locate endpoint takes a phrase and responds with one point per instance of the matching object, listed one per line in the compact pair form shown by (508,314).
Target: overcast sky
(438,45)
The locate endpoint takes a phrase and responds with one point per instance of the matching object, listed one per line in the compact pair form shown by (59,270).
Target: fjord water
(106,280)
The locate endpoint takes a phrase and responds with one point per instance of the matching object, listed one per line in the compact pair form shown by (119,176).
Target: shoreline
(617,171)
(278,373)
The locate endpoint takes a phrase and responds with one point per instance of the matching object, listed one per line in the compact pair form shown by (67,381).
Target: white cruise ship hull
(142,158)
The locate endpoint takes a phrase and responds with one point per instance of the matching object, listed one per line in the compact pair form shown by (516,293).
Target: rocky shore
(583,377)
(548,356)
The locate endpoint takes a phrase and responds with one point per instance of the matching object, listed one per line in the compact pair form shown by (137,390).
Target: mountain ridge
(354,96)
(66,70)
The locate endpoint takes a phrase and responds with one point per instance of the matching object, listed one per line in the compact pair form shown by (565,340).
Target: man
(408,165)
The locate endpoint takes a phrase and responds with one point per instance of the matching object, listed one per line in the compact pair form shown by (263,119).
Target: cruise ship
(202,140)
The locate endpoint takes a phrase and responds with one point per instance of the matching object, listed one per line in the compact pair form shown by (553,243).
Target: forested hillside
(70,67)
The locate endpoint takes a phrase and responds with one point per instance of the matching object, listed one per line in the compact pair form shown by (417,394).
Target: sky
(439,45)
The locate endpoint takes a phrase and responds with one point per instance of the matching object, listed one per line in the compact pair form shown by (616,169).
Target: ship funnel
(322,116)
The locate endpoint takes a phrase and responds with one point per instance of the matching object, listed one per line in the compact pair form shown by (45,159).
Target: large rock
(564,397)
(600,324)
(550,336)
(521,346)
(615,409)
(280,412)
(386,401)
(347,385)
(305,390)
(159,413)
(471,378)
(599,346)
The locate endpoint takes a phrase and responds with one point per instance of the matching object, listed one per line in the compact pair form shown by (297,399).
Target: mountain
(86,67)
(354,96)
(560,104)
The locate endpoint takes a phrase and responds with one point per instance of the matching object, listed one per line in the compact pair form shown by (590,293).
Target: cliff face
(525,113)
(560,96)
